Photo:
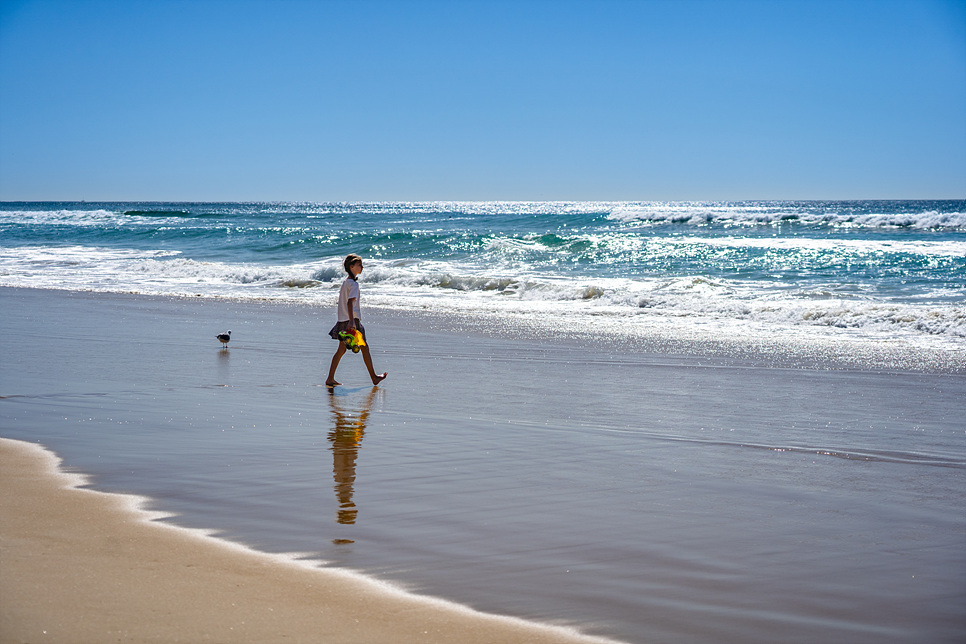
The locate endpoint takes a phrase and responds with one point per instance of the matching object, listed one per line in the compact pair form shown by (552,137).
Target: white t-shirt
(349,290)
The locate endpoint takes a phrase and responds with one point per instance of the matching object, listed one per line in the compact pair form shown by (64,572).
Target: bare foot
(380,378)
(332,383)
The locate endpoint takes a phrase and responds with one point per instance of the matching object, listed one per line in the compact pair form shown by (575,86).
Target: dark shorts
(342,326)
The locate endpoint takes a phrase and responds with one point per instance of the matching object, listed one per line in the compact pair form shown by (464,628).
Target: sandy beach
(635,495)
(86,566)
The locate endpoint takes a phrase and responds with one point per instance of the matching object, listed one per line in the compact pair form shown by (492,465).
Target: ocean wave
(160,272)
(701,300)
(158,213)
(442,277)
(94,217)
(942,215)
(100,218)
(174,214)
(763,214)
(103,217)
(947,248)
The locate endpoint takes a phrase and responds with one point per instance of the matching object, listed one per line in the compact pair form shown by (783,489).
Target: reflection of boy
(345,448)
(346,438)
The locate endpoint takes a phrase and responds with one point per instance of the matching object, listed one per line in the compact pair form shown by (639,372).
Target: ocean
(673,422)
(782,272)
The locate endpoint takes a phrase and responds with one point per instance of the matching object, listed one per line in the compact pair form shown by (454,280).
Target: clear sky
(307,100)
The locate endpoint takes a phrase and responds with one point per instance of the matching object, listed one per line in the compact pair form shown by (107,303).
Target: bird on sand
(224,337)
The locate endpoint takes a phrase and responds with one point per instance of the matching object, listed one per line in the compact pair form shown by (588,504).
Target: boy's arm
(352,316)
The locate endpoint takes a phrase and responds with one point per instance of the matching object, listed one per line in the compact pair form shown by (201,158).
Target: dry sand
(77,565)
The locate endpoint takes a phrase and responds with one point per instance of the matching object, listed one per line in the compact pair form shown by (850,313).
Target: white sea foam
(97,218)
(731,307)
(865,246)
(157,272)
(76,217)
(696,214)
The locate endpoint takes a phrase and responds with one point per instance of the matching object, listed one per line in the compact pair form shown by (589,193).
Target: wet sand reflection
(350,415)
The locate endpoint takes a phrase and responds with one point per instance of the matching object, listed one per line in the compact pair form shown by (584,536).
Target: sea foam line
(713,302)
(696,214)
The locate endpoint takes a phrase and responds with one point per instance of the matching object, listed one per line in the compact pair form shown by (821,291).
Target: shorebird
(224,337)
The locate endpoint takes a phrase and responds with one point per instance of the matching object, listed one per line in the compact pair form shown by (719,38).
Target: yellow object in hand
(353,341)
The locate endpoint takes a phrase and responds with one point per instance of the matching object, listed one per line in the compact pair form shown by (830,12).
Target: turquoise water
(880,270)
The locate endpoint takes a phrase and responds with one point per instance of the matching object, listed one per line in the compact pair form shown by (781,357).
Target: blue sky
(416,100)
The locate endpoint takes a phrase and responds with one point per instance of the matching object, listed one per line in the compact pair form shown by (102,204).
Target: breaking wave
(409,283)
(805,213)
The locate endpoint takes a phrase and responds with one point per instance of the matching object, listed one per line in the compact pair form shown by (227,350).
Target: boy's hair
(349,260)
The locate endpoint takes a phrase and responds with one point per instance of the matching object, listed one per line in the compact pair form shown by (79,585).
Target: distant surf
(892,271)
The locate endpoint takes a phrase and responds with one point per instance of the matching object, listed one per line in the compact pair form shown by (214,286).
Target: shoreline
(611,337)
(84,565)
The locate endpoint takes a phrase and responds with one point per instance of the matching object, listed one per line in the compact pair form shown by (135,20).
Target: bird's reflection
(224,357)
(350,415)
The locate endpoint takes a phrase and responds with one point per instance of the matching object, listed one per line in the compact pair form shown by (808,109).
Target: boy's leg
(335,364)
(367,358)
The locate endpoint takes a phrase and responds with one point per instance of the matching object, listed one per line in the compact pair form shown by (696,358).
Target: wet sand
(634,493)
(85,566)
